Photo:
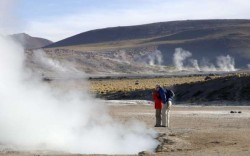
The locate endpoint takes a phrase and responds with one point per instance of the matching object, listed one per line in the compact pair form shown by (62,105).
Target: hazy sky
(58,19)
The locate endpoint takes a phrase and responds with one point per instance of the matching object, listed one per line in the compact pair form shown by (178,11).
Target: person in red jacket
(158,107)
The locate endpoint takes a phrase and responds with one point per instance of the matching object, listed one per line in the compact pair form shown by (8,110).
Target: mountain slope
(151,45)
(29,42)
(144,31)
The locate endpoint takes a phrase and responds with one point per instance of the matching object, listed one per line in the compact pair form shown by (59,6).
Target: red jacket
(157,99)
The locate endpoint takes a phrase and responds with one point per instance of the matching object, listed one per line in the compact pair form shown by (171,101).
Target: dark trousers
(158,116)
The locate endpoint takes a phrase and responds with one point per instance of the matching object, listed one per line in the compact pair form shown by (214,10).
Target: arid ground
(195,130)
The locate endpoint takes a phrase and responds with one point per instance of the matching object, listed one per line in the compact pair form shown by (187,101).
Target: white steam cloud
(223,63)
(226,63)
(155,58)
(152,58)
(64,69)
(195,64)
(180,56)
(248,65)
(206,65)
(34,116)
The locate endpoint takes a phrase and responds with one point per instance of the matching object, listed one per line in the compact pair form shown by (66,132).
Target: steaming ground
(34,116)
(183,60)
(134,61)
(195,130)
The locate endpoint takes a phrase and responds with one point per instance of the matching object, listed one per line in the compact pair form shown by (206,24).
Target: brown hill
(151,30)
(29,42)
(155,43)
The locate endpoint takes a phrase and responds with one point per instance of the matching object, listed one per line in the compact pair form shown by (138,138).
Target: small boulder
(207,78)
(137,82)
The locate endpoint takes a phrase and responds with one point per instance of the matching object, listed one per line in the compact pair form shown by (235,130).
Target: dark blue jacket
(168,95)
(165,96)
(162,95)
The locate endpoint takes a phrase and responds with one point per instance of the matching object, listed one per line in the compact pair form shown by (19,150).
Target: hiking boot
(157,125)
(163,126)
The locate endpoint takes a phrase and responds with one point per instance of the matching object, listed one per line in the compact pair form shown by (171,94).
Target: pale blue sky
(33,9)
(58,19)
(44,8)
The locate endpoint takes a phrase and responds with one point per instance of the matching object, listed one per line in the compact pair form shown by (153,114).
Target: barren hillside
(205,39)
(209,44)
(29,42)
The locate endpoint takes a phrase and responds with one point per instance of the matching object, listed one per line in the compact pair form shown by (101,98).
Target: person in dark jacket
(158,107)
(167,103)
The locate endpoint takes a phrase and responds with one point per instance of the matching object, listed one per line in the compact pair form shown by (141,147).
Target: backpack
(169,93)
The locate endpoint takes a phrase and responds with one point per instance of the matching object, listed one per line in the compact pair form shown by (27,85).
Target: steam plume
(155,58)
(195,64)
(35,116)
(151,58)
(64,69)
(206,65)
(223,63)
(226,63)
(180,56)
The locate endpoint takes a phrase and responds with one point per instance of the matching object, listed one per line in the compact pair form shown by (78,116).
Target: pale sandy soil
(197,130)
(194,131)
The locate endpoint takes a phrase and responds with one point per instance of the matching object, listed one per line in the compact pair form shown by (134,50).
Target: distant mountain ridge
(29,42)
(144,31)
(149,48)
